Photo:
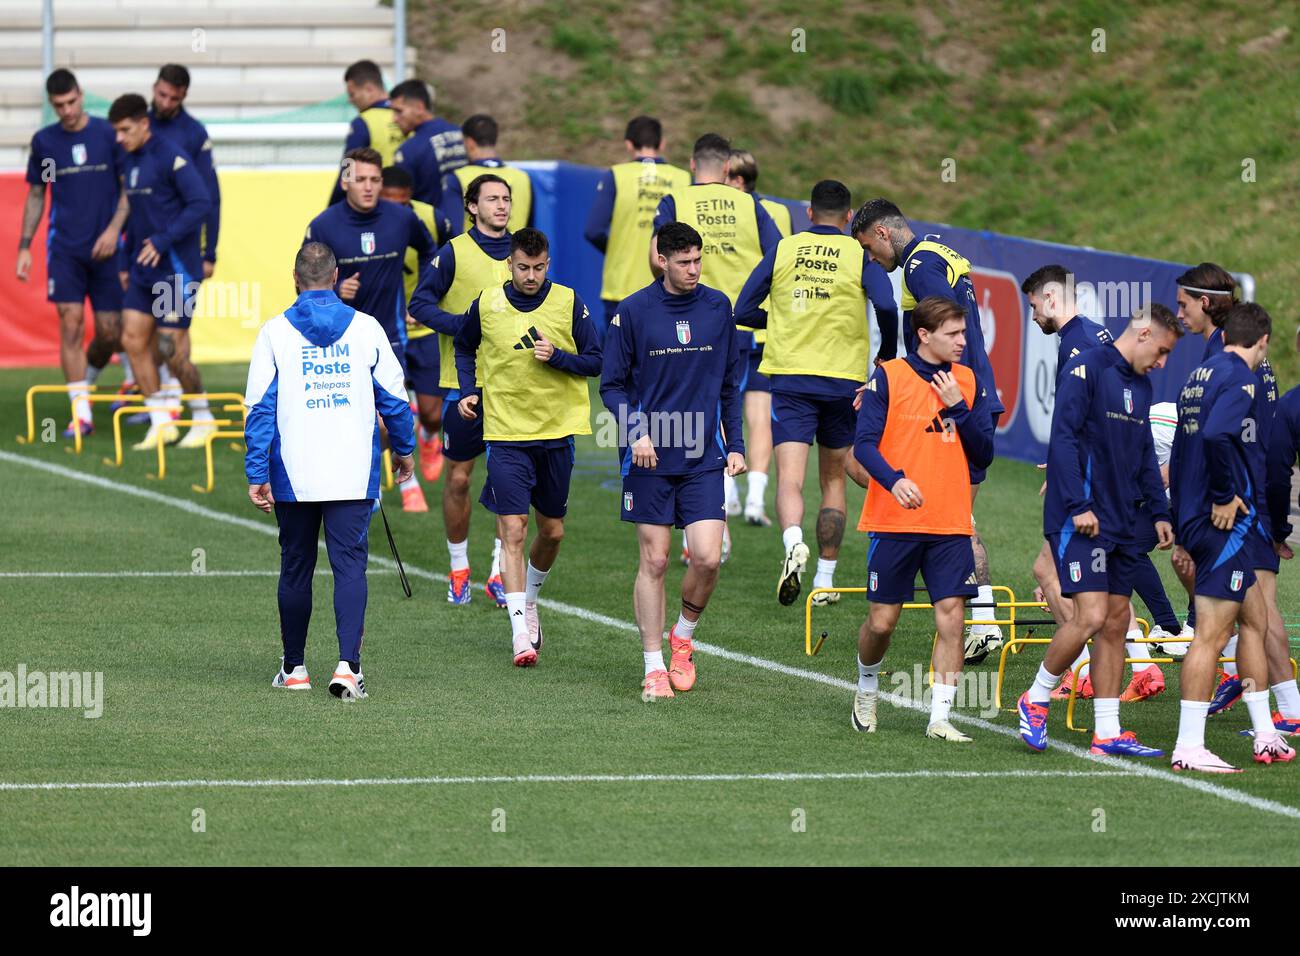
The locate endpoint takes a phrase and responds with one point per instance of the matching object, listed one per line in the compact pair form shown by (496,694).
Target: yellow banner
(264,215)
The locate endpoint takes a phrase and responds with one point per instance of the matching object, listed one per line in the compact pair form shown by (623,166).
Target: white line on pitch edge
(1127,766)
(794,777)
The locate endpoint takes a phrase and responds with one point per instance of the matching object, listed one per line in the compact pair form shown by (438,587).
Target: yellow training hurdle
(207,455)
(182,423)
(233,397)
(1018,642)
(1011,604)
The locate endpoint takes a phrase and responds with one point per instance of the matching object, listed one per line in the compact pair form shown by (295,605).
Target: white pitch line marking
(794,777)
(1131,767)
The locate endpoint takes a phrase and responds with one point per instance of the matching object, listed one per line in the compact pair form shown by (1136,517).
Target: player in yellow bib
(742,173)
(737,233)
(621,219)
(463,268)
(374,125)
(481,132)
(532,344)
(810,293)
(421,341)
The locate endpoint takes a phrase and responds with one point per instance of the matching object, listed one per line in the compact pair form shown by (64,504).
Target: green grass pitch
(467,760)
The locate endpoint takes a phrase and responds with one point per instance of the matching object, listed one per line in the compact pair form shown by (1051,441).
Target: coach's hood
(321,316)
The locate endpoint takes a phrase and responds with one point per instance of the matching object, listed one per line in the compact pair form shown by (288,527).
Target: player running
(168,205)
(931,268)
(481,132)
(374,125)
(77,157)
(535,346)
(1101,461)
(369,237)
(742,174)
(464,267)
(1217,464)
(434,147)
(672,371)
(735,228)
(422,364)
(815,286)
(924,426)
(621,220)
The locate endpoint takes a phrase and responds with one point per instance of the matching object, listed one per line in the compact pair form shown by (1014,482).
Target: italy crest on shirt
(684,332)
(79,154)
(367,242)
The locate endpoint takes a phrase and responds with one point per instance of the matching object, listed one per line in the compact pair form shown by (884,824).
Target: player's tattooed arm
(830,529)
(33,209)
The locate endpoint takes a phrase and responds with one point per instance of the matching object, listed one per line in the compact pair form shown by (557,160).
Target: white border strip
(563,778)
(1131,767)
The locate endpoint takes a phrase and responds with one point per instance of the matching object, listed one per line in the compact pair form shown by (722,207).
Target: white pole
(47,52)
(399,40)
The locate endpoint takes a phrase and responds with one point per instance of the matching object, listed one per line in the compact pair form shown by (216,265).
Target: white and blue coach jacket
(320,370)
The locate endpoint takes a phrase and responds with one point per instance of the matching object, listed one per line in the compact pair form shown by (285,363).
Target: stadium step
(249,59)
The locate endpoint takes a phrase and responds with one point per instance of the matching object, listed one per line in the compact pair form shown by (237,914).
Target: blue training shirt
(1078,335)
(926,274)
(191,136)
(168,205)
(673,370)
(426,300)
(1280,458)
(373,244)
(434,149)
(1217,452)
(1101,456)
(82,170)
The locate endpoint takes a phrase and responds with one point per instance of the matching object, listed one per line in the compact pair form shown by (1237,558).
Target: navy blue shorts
(947,566)
(756,381)
(1225,560)
(170,308)
(1097,564)
(1265,557)
(522,475)
(73,278)
(422,366)
(831,421)
(676,500)
(461,440)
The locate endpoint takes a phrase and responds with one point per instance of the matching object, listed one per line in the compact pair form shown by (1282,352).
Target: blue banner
(1109,287)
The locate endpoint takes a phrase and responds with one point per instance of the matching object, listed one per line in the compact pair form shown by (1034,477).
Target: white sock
(732,492)
(409,483)
(868,676)
(515,608)
(92,373)
(1191,723)
(1288,699)
(654,661)
(536,579)
(1106,710)
(825,576)
(199,409)
(941,698)
(791,536)
(1230,650)
(78,391)
(1260,718)
(984,597)
(1137,650)
(1040,692)
(128,375)
(757,489)
(459,552)
(496,558)
(156,404)
(1083,658)
(685,628)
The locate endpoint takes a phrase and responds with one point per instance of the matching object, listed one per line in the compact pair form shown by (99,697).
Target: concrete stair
(248,59)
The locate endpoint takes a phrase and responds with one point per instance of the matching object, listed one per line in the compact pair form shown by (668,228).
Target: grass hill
(1170,134)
